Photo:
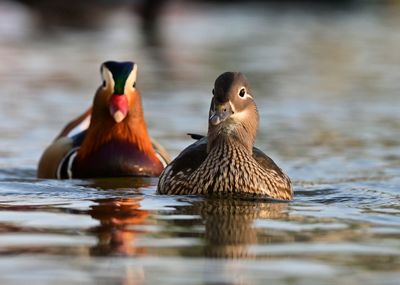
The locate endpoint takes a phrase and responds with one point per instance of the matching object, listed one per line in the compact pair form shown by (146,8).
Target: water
(327,87)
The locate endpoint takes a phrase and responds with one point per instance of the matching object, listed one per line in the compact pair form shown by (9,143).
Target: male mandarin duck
(226,161)
(110,139)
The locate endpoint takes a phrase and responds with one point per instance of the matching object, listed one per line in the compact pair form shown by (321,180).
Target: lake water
(327,85)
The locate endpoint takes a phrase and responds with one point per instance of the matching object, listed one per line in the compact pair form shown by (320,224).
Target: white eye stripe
(107,77)
(131,80)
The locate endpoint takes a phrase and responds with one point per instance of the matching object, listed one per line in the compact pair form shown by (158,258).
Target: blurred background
(324,73)
(326,79)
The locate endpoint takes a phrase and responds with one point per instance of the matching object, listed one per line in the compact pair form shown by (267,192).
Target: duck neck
(225,136)
(227,144)
(104,130)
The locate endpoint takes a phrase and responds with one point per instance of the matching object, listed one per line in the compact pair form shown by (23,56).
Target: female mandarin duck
(225,161)
(110,139)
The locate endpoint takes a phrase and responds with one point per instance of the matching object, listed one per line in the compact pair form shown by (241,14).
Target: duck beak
(119,107)
(220,113)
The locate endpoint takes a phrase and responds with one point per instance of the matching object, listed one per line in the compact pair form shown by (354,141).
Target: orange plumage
(115,143)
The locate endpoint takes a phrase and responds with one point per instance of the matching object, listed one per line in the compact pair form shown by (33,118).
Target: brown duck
(226,162)
(110,139)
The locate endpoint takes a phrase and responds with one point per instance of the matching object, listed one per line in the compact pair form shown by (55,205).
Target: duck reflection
(229,229)
(228,223)
(117,215)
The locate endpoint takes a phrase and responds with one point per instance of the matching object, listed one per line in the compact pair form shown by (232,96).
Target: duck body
(117,158)
(108,140)
(228,168)
(226,162)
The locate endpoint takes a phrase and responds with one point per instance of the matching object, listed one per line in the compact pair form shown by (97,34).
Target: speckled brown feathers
(227,168)
(225,162)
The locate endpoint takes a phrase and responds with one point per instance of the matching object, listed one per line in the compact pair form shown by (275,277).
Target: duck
(225,162)
(110,139)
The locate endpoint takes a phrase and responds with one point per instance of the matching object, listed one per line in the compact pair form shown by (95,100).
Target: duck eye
(213,92)
(242,92)
(134,84)
(104,83)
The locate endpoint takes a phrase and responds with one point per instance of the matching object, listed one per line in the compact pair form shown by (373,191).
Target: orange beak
(119,107)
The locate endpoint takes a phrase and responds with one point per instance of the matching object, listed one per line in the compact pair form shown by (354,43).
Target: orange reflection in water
(115,233)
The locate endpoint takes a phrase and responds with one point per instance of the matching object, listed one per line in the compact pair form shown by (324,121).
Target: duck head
(117,94)
(233,112)
(117,113)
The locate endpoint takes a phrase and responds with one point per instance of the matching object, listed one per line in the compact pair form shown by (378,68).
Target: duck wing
(195,136)
(161,152)
(186,162)
(55,159)
(77,125)
(266,162)
(281,180)
(64,145)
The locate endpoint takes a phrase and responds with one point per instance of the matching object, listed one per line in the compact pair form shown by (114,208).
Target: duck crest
(120,71)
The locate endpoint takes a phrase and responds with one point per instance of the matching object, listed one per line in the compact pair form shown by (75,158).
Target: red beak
(119,107)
